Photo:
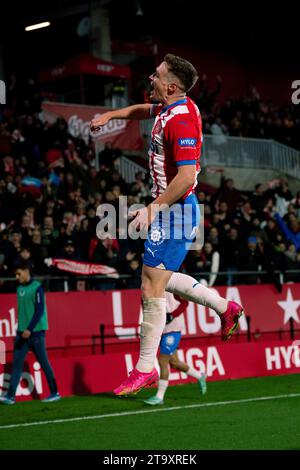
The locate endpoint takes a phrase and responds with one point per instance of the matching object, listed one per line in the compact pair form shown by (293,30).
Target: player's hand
(142,219)
(100,121)
(26,334)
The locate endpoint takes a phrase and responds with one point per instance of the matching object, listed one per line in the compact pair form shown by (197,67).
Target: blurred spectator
(50,191)
(250,260)
(227,193)
(230,251)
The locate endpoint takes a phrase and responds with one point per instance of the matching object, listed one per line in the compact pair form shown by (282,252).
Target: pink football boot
(136,382)
(230,318)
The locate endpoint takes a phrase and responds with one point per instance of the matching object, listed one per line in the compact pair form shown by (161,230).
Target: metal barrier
(250,153)
(242,152)
(280,276)
(106,332)
(128,169)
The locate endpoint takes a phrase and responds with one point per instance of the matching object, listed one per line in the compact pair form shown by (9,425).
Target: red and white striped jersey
(176,140)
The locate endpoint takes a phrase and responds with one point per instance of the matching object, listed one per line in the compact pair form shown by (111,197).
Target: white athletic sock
(190,289)
(193,373)
(162,388)
(154,320)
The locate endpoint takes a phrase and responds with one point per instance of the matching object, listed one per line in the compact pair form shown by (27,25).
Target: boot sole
(234,327)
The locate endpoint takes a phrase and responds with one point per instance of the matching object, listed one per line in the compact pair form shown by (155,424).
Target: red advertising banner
(124,134)
(102,373)
(75,317)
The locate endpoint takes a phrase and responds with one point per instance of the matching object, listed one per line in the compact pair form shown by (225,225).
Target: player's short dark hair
(183,70)
(24,265)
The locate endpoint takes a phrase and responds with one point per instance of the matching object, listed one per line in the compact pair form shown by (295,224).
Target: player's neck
(174,98)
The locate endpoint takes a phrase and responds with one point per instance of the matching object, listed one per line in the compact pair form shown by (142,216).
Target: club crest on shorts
(157,235)
(170,340)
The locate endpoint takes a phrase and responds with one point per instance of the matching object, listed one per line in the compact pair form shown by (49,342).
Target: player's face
(159,83)
(22,275)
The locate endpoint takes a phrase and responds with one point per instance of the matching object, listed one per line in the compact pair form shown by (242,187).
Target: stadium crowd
(248,116)
(50,190)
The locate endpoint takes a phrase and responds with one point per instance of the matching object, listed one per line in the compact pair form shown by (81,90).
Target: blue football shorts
(171,234)
(169,342)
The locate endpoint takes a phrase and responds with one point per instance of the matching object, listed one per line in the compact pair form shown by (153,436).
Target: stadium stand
(50,191)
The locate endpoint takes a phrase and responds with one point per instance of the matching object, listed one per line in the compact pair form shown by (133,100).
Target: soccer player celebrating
(174,165)
(168,350)
(32,324)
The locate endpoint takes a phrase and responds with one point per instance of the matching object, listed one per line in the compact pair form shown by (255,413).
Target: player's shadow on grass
(79,386)
(111,395)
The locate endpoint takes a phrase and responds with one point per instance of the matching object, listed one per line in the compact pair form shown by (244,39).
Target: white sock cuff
(163,383)
(193,373)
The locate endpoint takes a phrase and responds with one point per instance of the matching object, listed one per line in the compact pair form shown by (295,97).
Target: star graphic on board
(290,307)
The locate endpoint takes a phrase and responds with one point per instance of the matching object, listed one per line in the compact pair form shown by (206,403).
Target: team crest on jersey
(157,235)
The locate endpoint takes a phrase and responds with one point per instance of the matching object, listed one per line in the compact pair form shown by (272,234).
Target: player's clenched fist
(100,121)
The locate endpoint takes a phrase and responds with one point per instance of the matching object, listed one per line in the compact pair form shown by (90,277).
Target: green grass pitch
(232,415)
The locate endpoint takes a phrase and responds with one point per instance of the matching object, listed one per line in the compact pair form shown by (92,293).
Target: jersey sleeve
(182,139)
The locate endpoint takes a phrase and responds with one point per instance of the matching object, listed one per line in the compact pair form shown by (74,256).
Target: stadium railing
(128,169)
(107,336)
(225,278)
(242,152)
(250,153)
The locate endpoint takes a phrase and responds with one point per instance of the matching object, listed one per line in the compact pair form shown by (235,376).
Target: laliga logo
(157,235)
(2,92)
(296,94)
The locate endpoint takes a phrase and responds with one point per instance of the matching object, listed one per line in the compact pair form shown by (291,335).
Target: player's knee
(147,288)
(174,363)
(163,360)
(151,290)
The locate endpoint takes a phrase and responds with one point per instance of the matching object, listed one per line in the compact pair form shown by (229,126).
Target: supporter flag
(54,178)
(31,185)
(79,267)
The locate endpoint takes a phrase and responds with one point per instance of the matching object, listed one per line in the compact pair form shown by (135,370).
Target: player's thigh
(174,359)
(154,281)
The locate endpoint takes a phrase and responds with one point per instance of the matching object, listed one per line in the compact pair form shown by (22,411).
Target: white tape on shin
(154,320)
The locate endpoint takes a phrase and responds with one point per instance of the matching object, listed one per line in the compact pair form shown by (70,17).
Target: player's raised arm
(136,111)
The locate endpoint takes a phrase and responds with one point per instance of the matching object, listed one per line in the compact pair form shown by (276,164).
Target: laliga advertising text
(30,382)
(210,362)
(2,352)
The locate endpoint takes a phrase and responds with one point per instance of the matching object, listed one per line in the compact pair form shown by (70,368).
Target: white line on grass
(156,410)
